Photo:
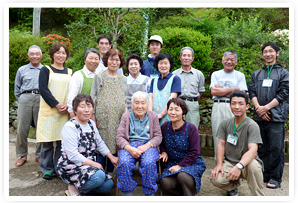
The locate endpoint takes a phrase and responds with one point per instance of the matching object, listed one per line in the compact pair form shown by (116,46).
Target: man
(223,83)
(269,92)
(155,46)
(26,91)
(104,44)
(238,140)
(192,85)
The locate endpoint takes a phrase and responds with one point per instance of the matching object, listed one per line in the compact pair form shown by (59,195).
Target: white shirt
(139,80)
(76,85)
(101,67)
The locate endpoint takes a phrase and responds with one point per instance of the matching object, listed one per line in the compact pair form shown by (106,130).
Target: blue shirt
(138,129)
(161,83)
(148,67)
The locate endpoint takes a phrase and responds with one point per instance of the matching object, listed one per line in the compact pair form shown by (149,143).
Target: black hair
(239,93)
(162,56)
(272,44)
(104,37)
(134,56)
(179,102)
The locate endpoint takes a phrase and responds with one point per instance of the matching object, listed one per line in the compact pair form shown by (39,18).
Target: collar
(190,71)
(86,70)
(167,76)
(133,116)
(138,79)
(38,67)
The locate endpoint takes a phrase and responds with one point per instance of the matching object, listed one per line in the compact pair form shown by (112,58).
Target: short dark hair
(91,50)
(239,93)
(162,56)
(272,44)
(113,52)
(81,97)
(56,47)
(134,56)
(179,102)
(104,37)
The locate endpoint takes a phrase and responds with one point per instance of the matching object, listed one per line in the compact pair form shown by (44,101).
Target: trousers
(98,183)
(49,155)
(193,115)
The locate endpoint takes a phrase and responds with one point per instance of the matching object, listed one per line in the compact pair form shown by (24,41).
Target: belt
(31,92)
(222,100)
(190,99)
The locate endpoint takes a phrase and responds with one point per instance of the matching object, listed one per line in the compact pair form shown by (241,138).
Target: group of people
(96,119)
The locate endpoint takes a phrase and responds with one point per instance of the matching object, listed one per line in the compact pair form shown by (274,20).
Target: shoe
(67,193)
(274,183)
(47,176)
(21,161)
(233,192)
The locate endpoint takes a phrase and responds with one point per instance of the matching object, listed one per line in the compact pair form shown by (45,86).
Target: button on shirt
(27,79)
(139,80)
(101,67)
(192,82)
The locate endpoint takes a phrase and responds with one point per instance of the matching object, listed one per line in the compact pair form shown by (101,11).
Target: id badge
(154,76)
(232,139)
(267,83)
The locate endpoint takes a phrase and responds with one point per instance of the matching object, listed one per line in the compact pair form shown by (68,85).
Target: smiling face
(84,112)
(134,67)
(164,67)
(238,106)
(229,62)
(114,63)
(92,61)
(140,107)
(60,56)
(175,112)
(104,46)
(269,55)
(186,58)
(35,57)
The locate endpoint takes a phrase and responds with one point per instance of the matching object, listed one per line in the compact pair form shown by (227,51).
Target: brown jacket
(122,137)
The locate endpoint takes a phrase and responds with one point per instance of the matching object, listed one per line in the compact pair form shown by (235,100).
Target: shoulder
(216,73)
(227,121)
(192,128)
(164,126)
(239,73)
(125,115)
(22,68)
(152,114)
(176,72)
(176,78)
(69,125)
(251,123)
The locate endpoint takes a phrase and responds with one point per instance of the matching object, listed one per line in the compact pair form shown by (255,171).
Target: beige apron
(50,121)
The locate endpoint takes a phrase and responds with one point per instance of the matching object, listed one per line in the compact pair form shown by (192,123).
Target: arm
(122,138)
(164,111)
(150,107)
(17,85)
(219,157)
(218,91)
(96,87)
(75,87)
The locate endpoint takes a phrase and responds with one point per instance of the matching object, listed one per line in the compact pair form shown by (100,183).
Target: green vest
(87,84)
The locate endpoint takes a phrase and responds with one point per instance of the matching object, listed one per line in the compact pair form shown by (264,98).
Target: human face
(60,56)
(269,54)
(140,107)
(92,61)
(186,58)
(104,46)
(34,56)
(239,107)
(114,63)
(175,112)
(84,112)
(134,67)
(164,67)
(154,48)
(229,62)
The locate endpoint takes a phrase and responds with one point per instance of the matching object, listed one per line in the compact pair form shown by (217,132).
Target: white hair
(140,94)
(34,46)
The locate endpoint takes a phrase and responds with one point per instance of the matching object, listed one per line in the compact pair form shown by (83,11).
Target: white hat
(155,38)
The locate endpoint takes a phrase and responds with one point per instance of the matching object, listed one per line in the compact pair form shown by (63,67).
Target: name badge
(232,139)
(154,76)
(267,83)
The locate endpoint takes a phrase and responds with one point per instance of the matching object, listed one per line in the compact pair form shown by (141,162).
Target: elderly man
(104,44)
(138,137)
(26,91)
(223,83)
(239,139)
(192,85)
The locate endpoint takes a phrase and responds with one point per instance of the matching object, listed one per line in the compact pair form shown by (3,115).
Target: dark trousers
(49,156)
(105,162)
(272,150)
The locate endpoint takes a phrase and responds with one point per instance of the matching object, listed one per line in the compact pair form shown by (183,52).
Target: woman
(135,80)
(138,137)
(108,92)
(77,165)
(82,80)
(53,87)
(165,87)
(180,149)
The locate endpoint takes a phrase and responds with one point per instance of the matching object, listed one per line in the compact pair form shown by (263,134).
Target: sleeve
(242,82)
(176,86)
(252,86)
(43,87)
(148,85)
(69,136)
(194,147)
(254,135)
(221,132)
(17,85)
(213,80)
(96,87)
(122,138)
(101,145)
(151,85)
(162,146)
(74,89)
(201,82)
(283,89)
(157,137)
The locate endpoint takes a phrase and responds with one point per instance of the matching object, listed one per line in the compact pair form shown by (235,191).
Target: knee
(220,181)
(254,167)
(185,179)
(165,184)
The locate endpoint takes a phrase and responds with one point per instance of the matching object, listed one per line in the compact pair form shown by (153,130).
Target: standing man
(104,44)
(238,141)
(155,46)
(26,91)
(192,85)
(269,92)
(223,83)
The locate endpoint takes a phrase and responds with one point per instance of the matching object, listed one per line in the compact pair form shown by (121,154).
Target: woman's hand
(134,152)
(89,162)
(175,168)
(62,108)
(113,159)
(163,156)
(144,147)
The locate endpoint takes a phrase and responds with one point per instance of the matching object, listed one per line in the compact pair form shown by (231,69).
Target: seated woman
(180,149)
(77,165)
(138,137)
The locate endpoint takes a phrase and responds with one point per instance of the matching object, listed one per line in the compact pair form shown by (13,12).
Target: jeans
(98,183)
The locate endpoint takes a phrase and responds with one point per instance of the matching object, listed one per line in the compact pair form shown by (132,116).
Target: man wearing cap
(155,46)
(192,85)
(223,83)
(104,44)
(26,91)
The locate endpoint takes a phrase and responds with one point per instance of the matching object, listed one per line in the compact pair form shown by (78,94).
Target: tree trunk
(36,22)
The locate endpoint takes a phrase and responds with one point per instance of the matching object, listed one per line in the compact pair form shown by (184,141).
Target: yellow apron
(50,121)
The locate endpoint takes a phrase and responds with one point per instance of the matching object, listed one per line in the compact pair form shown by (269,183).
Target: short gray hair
(193,53)
(140,94)
(230,52)
(34,46)
(90,50)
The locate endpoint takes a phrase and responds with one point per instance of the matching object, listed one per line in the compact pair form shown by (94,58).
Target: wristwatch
(240,166)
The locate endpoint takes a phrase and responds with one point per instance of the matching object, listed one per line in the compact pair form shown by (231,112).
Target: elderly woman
(138,137)
(53,87)
(77,165)
(165,87)
(180,149)
(108,92)
(82,80)
(135,80)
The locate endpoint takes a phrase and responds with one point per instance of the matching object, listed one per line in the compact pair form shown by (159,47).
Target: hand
(215,171)
(144,147)
(135,152)
(266,117)
(163,156)
(98,165)
(234,173)
(261,110)
(175,168)
(114,160)
(217,86)
(62,108)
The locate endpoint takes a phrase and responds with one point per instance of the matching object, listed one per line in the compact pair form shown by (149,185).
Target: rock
(15,124)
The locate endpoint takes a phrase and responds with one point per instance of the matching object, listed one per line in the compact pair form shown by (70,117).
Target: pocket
(194,88)
(46,110)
